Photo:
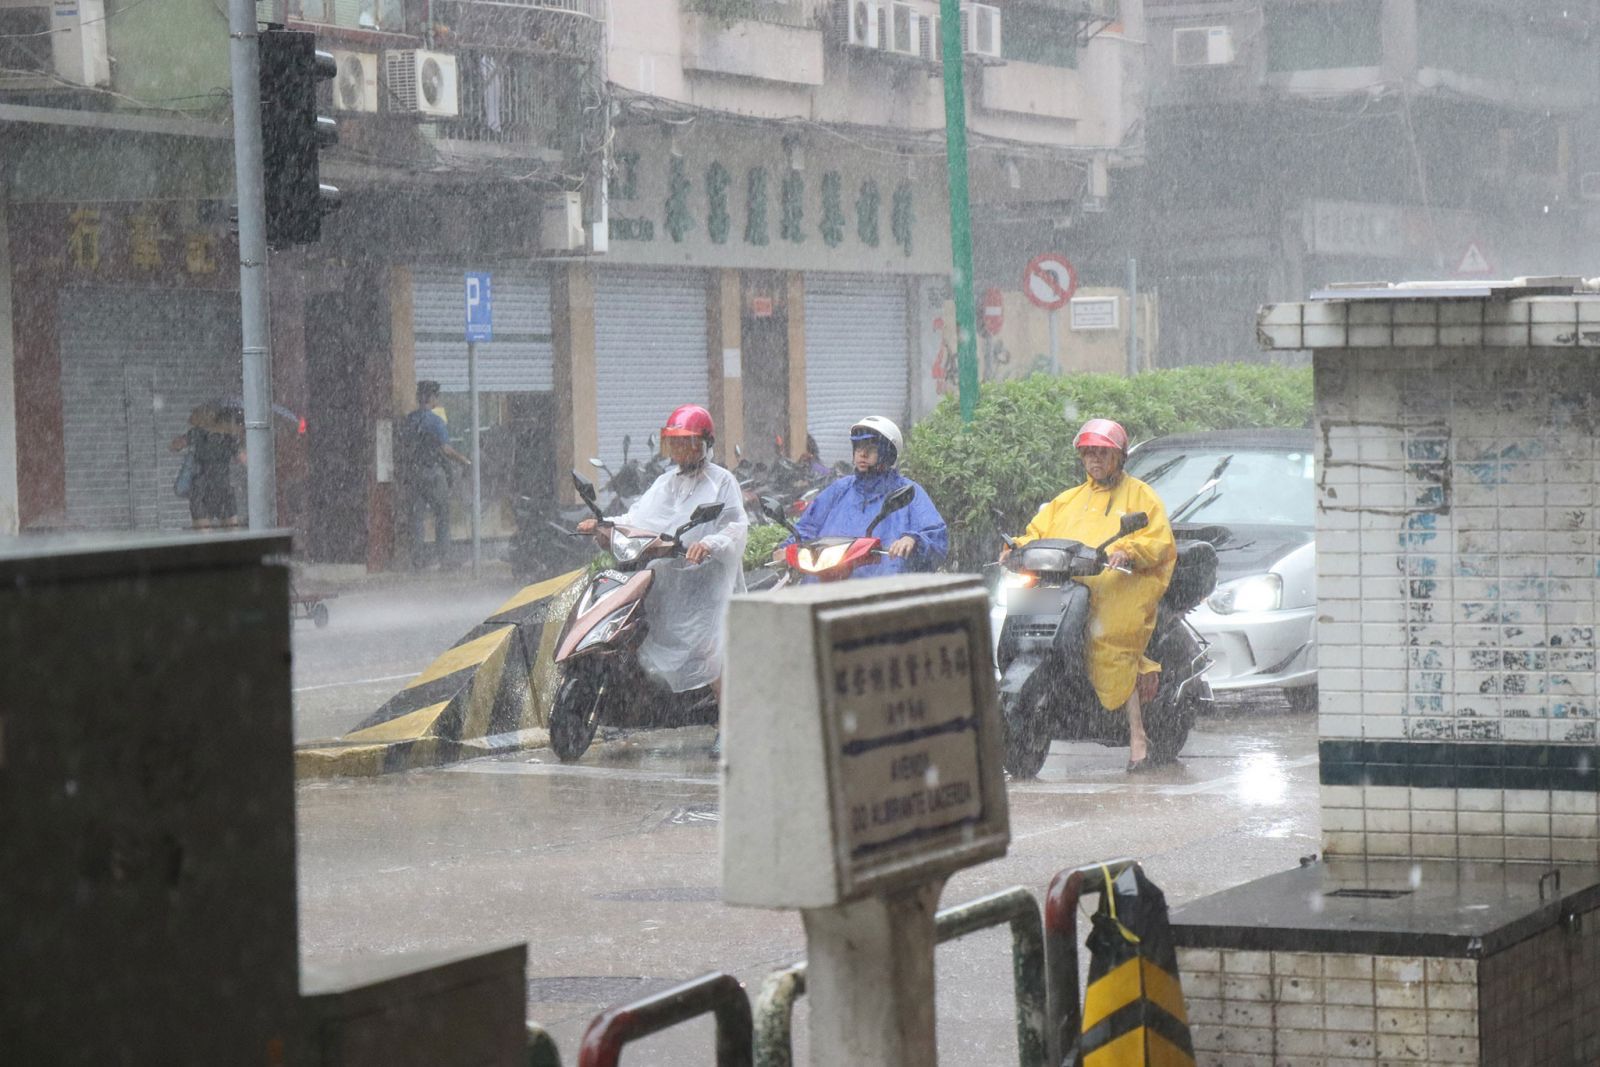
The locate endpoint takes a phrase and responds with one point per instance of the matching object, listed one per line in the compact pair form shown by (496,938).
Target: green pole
(955,123)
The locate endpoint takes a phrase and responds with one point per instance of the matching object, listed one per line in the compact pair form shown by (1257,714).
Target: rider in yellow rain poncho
(1122,605)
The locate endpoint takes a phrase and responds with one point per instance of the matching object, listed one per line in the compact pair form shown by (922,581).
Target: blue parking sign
(480,307)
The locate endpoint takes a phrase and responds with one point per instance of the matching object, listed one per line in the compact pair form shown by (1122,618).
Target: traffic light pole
(249,188)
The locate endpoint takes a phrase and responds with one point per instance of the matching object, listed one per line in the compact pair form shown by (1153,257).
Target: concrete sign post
(480,327)
(862,766)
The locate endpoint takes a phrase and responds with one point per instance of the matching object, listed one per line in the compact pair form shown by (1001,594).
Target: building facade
(1292,143)
(737,202)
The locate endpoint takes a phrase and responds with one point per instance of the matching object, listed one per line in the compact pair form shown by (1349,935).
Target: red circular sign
(1050,281)
(993,310)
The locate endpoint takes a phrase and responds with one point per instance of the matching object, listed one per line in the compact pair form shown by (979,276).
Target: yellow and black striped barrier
(1133,1012)
(490,692)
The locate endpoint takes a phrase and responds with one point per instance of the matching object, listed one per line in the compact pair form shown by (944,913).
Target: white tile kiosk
(861,766)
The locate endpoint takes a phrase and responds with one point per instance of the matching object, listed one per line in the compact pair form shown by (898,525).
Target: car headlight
(1011,580)
(1259,592)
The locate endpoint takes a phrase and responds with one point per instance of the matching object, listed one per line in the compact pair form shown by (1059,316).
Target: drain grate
(1370,894)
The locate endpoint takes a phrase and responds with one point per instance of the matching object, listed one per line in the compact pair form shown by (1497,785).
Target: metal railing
(774,1036)
(716,993)
(1061,944)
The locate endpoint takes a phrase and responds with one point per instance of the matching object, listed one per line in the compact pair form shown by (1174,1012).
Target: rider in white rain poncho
(687,606)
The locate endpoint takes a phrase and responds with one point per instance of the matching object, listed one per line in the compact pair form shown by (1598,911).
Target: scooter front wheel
(1027,733)
(575,713)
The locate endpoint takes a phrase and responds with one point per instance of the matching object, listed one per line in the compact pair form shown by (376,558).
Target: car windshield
(1262,487)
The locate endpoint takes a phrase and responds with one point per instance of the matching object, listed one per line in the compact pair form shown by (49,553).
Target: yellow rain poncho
(1122,606)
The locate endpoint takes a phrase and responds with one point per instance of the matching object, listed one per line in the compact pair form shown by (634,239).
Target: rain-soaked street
(608,869)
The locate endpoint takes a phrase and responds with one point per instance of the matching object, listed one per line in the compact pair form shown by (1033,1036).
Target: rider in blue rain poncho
(915,537)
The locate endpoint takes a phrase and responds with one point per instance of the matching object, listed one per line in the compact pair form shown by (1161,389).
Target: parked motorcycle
(599,676)
(833,559)
(543,544)
(1045,692)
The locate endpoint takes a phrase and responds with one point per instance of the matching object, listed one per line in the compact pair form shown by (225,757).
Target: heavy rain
(775,531)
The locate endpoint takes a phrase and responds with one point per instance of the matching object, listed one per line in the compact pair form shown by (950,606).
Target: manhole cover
(676,894)
(584,989)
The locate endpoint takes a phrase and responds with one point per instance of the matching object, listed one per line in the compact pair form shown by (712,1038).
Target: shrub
(1017,453)
(764,537)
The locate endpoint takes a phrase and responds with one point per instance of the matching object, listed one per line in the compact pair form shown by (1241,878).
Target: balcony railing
(509,100)
(799,13)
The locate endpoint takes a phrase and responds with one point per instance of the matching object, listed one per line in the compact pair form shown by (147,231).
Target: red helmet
(1102,433)
(690,420)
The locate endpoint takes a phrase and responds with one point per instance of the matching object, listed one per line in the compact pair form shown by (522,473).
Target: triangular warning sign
(1474,261)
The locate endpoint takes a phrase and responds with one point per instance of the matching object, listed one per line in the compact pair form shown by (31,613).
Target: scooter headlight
(1013,580)
(627,549)
(606,630)
(823,559)
(1259,592)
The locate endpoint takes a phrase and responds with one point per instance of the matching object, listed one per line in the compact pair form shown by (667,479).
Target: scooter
(599,676)
(1045,692)
(833,559)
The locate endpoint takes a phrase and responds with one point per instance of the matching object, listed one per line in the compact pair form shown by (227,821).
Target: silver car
(1251,493)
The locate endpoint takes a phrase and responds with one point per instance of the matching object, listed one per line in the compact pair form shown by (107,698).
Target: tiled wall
(1266,1009)
(1457,604)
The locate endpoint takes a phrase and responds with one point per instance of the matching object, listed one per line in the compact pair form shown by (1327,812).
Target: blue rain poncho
(845,508)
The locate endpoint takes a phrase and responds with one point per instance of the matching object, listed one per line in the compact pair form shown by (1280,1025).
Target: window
(1323,36)
(1040,35)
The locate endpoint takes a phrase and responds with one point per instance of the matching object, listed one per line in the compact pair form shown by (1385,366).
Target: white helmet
(880,426)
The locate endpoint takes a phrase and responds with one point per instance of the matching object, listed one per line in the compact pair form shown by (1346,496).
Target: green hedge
(1017,453)
(764,537)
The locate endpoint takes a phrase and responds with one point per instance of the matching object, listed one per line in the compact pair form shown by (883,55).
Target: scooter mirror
(1134,520)
(772,509)
(585,488)
(627,439)
(896,501)
(704,513)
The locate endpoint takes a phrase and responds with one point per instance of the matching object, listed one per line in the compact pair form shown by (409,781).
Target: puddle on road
(664,894)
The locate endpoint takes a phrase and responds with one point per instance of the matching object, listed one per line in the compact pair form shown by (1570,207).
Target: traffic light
(292,133)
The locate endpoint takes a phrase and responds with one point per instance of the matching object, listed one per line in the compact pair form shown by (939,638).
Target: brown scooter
(599,676)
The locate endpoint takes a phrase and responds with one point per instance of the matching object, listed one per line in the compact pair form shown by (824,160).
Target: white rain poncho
(687,606)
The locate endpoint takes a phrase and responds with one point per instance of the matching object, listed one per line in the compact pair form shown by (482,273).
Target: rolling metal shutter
(650,352)
(134,363)
(857,355)
(521,357)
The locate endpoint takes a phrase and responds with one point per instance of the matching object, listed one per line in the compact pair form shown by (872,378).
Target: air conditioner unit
(561,223)
(49,46)
(355,86)
(1202,46)
(861,23)
(422,83)
(982,25)
(905,36)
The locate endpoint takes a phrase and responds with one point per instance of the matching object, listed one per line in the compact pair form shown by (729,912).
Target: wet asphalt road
(608,869)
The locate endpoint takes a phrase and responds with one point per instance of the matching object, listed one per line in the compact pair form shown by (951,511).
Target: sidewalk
(328,578)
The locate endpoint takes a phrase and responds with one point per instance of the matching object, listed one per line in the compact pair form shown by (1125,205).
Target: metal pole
(955,122)
(1133,317)
(1055,349)
(477,485)
(261,493)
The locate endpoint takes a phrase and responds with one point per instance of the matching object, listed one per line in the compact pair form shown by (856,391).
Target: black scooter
(1045,693)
